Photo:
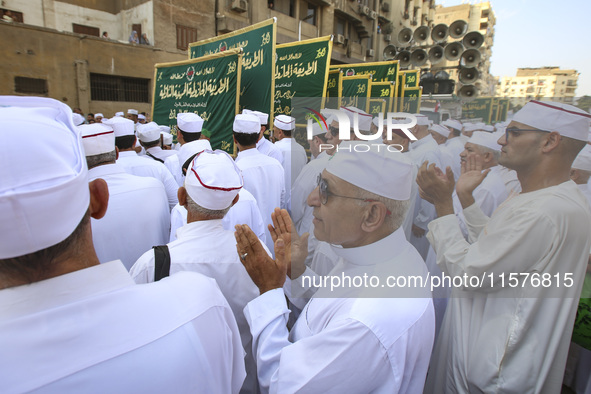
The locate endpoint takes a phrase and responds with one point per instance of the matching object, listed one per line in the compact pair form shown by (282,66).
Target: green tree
(584,103)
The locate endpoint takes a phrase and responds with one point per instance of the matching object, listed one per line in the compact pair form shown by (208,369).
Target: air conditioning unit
(387,37)
(364,10)
(372,15)
(340,39)
(239,5)
(369,53)
(385,6)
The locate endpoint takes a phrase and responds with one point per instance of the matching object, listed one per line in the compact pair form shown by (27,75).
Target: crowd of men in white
(87,303)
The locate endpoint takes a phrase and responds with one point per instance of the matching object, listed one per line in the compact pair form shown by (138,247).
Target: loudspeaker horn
(458,29)
(453,51)
(470,58)
(403,58)
(421,34)
(439,33)
(404,37)
(473,40)
(436,54)
(467,91)
(468,76)
(418,57)
(389,52)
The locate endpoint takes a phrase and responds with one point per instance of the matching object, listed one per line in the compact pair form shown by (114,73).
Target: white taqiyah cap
(364,118)
(119,113)
(318,130)
(488,128)
(247,124)
(567,120)
(99,115)
(583,159)
(190,149)
(148,132)
(97,138)
(121,126)
(77,119)
(44,188)
(444,131)
(141,117)
(284,122)
(454,124)
(471,127)
(263,117)
(213,180)
(189,122)
(166,138)
(132,111)
(372,168)
(486,139)
(422,120)
(164,129)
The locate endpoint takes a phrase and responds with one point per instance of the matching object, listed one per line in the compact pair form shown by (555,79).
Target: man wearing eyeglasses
(511,333)
(349,338)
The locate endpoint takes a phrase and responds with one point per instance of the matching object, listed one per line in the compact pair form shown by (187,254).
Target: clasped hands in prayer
(290,252)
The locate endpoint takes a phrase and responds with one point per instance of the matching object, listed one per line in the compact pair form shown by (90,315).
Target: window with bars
(30,85)
(11,16)
(184,36)
(117,88)
(88,30)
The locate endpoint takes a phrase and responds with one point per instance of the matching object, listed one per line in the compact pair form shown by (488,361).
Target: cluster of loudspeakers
(465,51)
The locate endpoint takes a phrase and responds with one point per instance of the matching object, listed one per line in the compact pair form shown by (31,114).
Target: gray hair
(103,158)
(197,209)
(397,207)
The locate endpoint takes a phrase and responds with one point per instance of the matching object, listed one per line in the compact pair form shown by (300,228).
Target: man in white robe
(189,126)
(265,146)
(70,323)
(508,333)
(149,136)
(391,338)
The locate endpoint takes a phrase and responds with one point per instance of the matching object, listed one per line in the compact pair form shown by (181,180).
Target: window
(484,26)
(116,88)
(30,85)
(339,26)
(88,30)
(484,13)
(311,14)
(184,36)
(10,14)
(286,7)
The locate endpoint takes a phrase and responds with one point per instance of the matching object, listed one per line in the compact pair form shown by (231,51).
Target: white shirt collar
(423,141)
(199,228)
(246,153)
(375,253)
(127,153)
(105,169)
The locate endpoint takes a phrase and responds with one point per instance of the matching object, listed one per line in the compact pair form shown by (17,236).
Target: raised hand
(471,177)
(296,247)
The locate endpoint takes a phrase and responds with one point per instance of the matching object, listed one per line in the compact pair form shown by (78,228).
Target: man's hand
(437,187)
(417,231)
(471,177)
(266,273)
(296,247)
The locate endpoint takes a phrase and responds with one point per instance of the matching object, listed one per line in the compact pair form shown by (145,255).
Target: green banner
(258,63)
(407,78)
(355,91)
(380,71)
(333,85)
(479,108)
(301,70)
(381,92)
(503,109)
(207,86)
(494,112)
(411,100)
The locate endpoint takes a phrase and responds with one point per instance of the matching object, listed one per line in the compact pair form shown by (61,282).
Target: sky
(538,33)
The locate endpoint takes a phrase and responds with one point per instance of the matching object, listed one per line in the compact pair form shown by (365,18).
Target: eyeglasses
(333,130)
(515,131)
(324,193)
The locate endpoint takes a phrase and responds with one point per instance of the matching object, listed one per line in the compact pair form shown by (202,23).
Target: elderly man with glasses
(510,331)
(360,335)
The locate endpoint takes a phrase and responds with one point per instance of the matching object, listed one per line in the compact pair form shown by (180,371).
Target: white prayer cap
(164,129)
(132,112)
(99,115)
(97,138)
(247,124)
(44,188)
(444,131)
(549,116)
(317,130)
(148,132)
(488,128)
(121,126)
(263,117)
(454,124)
(376,122)
(213,180)
(486,139)
(166,138)
(190,149)
(373,168)
(119,113)
(583,159)
(141,117)
(422,120)
(189,122)
(364,118)
(284,122)
(470,127)
(77,119)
